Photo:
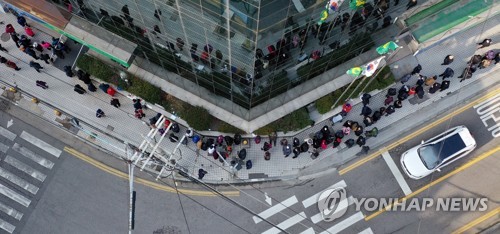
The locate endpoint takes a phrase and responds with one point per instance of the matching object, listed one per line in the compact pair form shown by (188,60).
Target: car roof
(450,146)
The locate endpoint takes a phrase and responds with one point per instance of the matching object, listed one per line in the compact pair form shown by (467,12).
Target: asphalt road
(77,196)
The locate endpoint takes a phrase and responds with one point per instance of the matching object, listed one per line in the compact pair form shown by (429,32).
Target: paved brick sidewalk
(121,124)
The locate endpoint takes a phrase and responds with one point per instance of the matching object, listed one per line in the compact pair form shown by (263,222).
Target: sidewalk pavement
(119,123)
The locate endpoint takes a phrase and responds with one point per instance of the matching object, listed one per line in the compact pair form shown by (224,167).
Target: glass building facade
(246,56)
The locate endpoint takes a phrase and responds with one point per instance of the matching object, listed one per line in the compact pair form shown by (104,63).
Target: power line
(180,202)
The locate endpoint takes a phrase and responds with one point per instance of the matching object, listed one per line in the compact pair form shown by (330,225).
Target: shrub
(96,68)
(197,117)
(294,121)
(145,90)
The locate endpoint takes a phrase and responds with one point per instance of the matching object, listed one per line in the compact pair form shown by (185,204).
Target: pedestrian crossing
(25,161)
(308,220)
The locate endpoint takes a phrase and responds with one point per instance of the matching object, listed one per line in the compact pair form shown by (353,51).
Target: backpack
(175,128)
(229,140)
(257,139)
(287,149)
(242,154)
(204,146)
(196,138)
(237,139)
(349,143)
(91,87)
(304,147)
(391,92)
(485,63)
(173,138)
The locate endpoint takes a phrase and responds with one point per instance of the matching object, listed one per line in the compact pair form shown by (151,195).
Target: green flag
(355,71)
(384,49)
(356,4)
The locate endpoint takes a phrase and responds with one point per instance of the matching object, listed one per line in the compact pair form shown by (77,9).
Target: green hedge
(197,117)
(96,68)
(384,79)
(294,121)
(359,44)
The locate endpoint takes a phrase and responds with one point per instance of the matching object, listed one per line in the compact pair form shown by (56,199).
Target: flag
(356,4)
(370,68)
(384,49)
(333,5)
(355,71)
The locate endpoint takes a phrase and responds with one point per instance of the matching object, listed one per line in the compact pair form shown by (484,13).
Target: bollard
(57,112)
(35,100)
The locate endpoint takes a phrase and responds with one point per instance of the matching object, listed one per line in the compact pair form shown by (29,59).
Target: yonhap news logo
(333,204)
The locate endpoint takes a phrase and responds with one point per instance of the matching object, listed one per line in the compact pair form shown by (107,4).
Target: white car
(437,152)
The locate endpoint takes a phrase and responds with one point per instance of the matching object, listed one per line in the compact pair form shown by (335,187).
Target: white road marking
(25,168)
(397,174)
(14,196)
(18,181)
(11,211)
(308,231)
(4,148)
(35,157)
(344,223)
(7,226)
(275,209)
(317,217)
(366,231)
(287,223)
(314,198)
(7,134)
(41,144)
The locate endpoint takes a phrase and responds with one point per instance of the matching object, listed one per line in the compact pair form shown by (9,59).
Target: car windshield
(432,155)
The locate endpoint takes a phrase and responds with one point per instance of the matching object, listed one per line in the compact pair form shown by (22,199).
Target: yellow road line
(144,182)
(439,180)
(418,132)
(477,221)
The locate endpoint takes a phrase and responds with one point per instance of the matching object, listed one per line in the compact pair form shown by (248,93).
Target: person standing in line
(484,43)
(36,66)
(99,113)
(273,138)
(9,63)
(30,52)
(3,49)
(416,70)
(29,31)
(448,60)
(115,102)
(45,57)
(448,72)
(79,89)
(10,29)
(137,103)
(15,38)
(22,21)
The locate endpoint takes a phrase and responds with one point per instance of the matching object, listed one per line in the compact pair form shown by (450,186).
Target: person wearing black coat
(448,72)
(36,66)
(390,109)
(68,71)
(398,104)
(435,87)
(31,53)
(45,57)
(376,116)
(420,91)
(366,98)
(416,70)
(79,89)
(445,85)
(91,87)
(365,111)
(447,60)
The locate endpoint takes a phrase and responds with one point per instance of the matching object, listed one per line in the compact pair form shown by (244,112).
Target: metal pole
(131,195)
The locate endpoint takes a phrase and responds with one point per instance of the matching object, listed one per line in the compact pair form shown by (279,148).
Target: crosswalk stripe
(11,211)
(41,144)
(14,196)
(366,231)
(317,217)
(7,134)
(18,181)
(345,223)
(287,223)
(275,209)
(397,174)
(7,226)
(314,198)
(308,231)
(25,168)
(35,157)
(4,148)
